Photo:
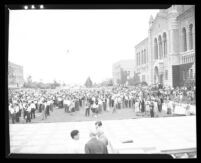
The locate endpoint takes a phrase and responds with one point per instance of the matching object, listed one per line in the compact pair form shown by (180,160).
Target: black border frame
(70,5)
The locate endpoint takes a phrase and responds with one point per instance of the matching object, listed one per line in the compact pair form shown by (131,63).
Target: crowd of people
(23,103)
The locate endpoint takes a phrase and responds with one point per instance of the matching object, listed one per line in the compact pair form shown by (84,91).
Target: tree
(29,79)
(135,80)
(110,82)
(123,76)
(88,83)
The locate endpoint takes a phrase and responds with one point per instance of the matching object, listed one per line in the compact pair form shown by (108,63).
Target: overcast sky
(70,45)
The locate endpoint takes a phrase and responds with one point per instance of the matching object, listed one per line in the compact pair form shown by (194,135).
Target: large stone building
(167,55)
(125,65)
(15,75)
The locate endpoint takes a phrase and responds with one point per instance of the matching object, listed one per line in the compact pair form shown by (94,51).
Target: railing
(187,57)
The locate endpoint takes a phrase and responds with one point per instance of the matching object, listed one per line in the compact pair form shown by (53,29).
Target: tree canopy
(88,83)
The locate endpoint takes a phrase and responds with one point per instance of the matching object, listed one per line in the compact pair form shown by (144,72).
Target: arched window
(184,42)
(155,49)
(160,47)
(144,56)
(164,44)
(190,36)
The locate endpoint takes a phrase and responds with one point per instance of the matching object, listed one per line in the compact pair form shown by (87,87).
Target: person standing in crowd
(33,109)
(36,105)
(48,108)
(100,105)
(20,108)
(152,109)
(126,101)
(76,147)
(112,101)
(95,146)
(108,104)
(68,102)
(24,109)
(142,106)
(137,106)
(40,105)
(115,105)
(87,109)
(51,105)
(65,105)
(12,112)
(44,115)
(17,111)
(28,114)
(104,103)
(155,106)
(94,109)
(60,102)
(147,103)
(169,107)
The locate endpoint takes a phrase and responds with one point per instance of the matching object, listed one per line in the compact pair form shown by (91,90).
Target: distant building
(167,55)
(15,75)
(126,65)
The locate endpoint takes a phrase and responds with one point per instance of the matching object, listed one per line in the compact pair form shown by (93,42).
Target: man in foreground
(95,146)
(75,147)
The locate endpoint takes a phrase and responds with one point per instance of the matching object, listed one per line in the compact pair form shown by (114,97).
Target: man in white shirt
(100,104)
(76,147)
(33,108)
(68,102)
(65,102)
(28,114)
(12,113)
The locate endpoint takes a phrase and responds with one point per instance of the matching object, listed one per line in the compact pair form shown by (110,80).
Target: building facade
(167,55)
(125,65)
(141,61)
(15,75)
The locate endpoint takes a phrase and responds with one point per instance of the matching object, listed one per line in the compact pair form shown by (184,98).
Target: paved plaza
(149,135)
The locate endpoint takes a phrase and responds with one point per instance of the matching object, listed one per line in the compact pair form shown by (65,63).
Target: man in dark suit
(95,146)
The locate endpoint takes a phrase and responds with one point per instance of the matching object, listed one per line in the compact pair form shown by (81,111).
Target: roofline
(146,39)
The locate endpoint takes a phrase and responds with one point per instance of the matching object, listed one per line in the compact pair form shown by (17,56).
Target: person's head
(75,134)
(98,124)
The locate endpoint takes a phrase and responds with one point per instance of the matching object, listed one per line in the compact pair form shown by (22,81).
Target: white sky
(39,41)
